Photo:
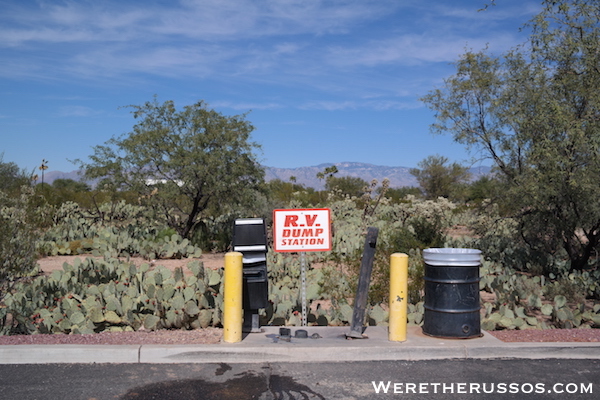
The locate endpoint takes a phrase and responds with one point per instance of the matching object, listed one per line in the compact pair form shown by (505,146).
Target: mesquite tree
(181,163)
(535,112)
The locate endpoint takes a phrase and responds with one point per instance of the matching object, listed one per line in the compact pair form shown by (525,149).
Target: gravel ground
(549,335)
(214,335)
(199,336)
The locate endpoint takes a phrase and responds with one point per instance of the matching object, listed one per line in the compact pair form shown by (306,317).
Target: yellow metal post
(232,298)
(398,297)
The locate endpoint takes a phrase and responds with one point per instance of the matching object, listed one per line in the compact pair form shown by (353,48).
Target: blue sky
(324,81)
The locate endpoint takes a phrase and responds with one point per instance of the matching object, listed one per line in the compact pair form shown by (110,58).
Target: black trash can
(452,302)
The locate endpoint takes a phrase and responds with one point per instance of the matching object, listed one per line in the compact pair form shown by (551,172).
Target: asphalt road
(439,379)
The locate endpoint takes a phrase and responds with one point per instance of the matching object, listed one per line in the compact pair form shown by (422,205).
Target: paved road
(434,379)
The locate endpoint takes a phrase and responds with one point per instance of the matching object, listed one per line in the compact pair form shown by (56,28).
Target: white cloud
(77,111)
(193,19)
(328,45)
(245,106)
(412,49)
(502,11)
(378,105)
(194,38)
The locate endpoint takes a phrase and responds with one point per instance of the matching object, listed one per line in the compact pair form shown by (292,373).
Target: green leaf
(151,291)
(205,317)
(564,314)
(178,275)
(151,322)
(191,281)
(346,312)
(126,303)
(197,268)
(168,292)
(82,330)
(189,293)
(488,325)
(532,321)
(158,278)
(534,301)
(77,318)
(215,278)
(56,275)
(191,308)
(560,301)
(113,304)
(379,315)
(313,292)
(112,318)
(177,302)
(96,315)
(506,323)
(547,309)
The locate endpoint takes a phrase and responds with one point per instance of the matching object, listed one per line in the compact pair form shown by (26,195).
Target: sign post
(303,287)
(302,230)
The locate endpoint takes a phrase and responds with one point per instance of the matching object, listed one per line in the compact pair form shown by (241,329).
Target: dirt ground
(210,260)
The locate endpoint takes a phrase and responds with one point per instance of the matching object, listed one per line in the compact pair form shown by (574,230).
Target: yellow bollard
(398,297)
(232,298)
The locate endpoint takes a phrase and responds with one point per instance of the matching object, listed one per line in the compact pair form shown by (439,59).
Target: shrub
(18,237)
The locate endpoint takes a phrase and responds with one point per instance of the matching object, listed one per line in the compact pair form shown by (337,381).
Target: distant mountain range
(398,176)
(307,176)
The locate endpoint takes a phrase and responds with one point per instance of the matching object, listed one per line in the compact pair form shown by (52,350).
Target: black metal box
(250,239)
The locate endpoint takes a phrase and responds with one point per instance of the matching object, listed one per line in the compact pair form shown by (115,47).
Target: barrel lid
(452,257)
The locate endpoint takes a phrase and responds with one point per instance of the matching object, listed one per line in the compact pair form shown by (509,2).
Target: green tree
(437,178)
(327,172)
(182,163)
(19,231)
(346,185)
(71,185)
(290,194)
(397,195)
(12,177)
(535,112)
(484,188)
(282,192)
(63,190)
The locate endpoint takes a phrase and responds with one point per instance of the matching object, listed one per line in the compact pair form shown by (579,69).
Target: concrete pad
(331,346)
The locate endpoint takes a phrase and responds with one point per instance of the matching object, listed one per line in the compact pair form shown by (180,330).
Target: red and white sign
(302,230)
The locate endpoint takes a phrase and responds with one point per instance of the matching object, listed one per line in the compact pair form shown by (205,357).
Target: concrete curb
(67,353)
(332,346)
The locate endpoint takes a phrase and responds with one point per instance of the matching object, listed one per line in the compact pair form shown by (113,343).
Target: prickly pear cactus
(98,295)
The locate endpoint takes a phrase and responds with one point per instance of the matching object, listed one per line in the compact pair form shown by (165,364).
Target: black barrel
(452,304)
